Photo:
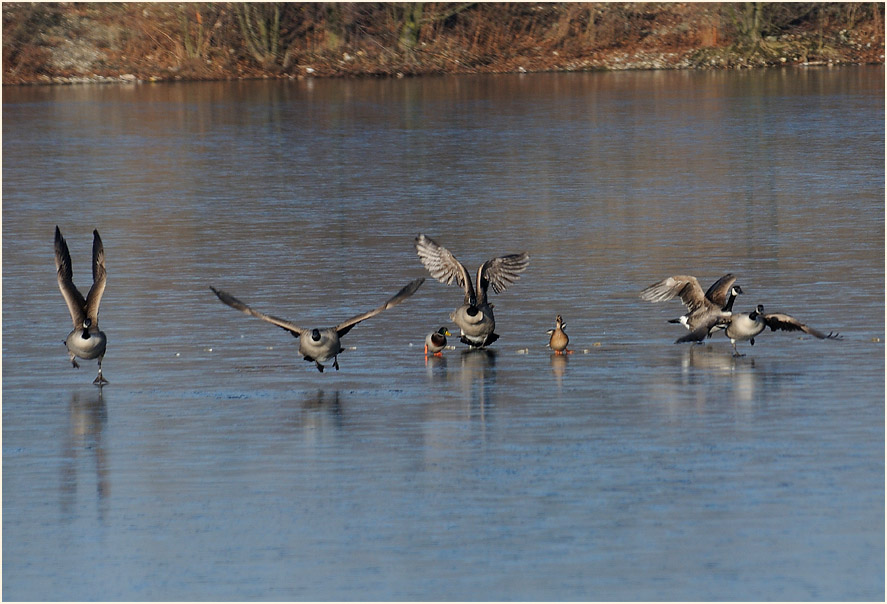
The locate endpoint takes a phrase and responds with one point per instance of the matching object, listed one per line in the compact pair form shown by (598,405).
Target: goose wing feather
(501,272)
(238,305)
(685,286)
(720,290)
(99,276)
(405,292)
(788,323)
(73,297)
(443,266)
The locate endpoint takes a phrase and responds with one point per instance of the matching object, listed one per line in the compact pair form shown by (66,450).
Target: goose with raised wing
(709,307)
(319,345)
(474,317)
(86,341)
(742,327)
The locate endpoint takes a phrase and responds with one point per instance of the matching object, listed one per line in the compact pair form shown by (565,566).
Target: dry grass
(211,40)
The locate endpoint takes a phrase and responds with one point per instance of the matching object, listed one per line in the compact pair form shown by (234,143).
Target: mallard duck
(320,345)
(741,327)
(702,308)
(559,338)
(436,341)
(86,341)
(475,317)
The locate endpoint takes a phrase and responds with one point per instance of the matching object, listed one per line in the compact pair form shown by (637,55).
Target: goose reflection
(321,410)
(700,364)
(87,417)
(478,378)
(711,358)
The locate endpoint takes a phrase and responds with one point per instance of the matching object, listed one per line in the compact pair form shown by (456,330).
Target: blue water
(219,465)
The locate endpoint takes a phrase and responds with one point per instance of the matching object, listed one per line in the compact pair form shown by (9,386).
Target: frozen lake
(218,465)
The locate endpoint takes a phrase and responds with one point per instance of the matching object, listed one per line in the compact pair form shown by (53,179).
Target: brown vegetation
(60,42)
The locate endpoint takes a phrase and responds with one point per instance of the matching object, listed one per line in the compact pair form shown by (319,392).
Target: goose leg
(73,360)
(736,353)
(100,379)
(336,363)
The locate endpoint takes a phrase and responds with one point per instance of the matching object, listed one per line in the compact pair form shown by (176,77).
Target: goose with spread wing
(320,345)
(710,307)
(741,327)
(86,341)
(475,317)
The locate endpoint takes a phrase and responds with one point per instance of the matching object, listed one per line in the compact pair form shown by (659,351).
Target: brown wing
(788,323)
(238,305)
(501,272)
(73,297)
(685,286)
(99,276)
(403,294)
(443,266)
(704,330)
(720,290)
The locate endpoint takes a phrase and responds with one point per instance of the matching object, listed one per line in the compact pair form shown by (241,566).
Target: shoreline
(95,43)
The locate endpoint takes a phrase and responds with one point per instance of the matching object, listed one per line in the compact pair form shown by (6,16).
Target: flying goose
(715,303)
(436,341)
(86,341)
(320,345)
(475,317)
(740,327)
(559,338)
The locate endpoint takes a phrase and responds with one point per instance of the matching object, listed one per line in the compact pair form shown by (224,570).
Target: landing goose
(475,317)
(86,341)
(320,345)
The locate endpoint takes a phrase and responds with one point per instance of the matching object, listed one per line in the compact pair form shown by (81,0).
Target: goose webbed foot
(74,363)
(100,380)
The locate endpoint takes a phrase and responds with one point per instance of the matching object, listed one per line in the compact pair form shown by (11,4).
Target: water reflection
(558,367)
(712,358)
(87,418)
(593,174)
(322,409)
(436,367)
(706,365)
(478,378)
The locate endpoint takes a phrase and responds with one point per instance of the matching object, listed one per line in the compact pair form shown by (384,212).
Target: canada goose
(475,317)
(320,345)
(740,327)
(86,341)
(559,338)
(436,341)
(716,303)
